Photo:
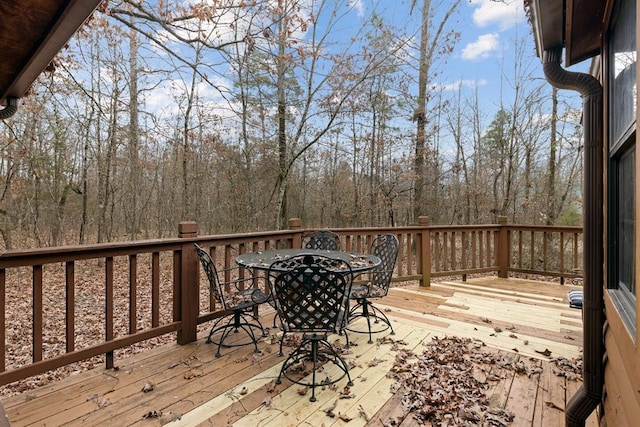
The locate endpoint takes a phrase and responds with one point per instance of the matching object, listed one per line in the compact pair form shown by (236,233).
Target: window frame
(622,142)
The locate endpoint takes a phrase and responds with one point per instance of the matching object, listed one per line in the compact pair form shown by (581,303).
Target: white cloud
(482,48)
(505,14)
(471,84)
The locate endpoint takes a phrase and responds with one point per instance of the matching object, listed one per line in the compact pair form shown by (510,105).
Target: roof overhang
(32,32)
(576,25)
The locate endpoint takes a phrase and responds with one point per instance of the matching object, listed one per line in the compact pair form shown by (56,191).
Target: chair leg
(365,314)
(281,353)
(379,315)
(365,308)
(314,348)
(234,324)
(314,358)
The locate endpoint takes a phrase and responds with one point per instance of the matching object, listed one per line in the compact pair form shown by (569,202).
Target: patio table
(262,260)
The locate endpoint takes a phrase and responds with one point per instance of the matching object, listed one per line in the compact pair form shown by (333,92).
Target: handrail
(151,288)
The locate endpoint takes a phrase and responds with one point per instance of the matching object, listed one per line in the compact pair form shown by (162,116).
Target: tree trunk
(281,183)
(421,115)
(132,224)
(552,213)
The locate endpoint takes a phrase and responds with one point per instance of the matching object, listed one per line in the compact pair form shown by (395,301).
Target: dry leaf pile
(447,384)
(570,369)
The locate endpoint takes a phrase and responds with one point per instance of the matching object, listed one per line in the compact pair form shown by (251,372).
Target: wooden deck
(523,321)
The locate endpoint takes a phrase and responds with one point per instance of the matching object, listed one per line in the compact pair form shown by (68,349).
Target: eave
(32,32)
(576,25)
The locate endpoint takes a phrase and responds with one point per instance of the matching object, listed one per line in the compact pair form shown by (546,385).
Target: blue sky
(483,59)
(484,56)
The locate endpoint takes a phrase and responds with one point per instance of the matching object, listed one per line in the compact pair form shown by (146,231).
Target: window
(624,178)
(621,67)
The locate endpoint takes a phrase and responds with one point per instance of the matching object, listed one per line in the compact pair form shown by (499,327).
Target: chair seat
(368,291)
(246,298)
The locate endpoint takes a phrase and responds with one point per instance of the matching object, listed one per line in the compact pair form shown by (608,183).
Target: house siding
(622,388)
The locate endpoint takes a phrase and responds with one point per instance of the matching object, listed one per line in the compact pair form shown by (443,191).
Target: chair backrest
(313,295)
(210,270)
(321,239)
(384,247)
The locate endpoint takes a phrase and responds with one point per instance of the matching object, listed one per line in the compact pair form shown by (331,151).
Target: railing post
(188,304)
(296,225)
(504,248)
(424,254)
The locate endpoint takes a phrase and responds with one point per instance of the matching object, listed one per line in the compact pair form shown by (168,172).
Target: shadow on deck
(526,326)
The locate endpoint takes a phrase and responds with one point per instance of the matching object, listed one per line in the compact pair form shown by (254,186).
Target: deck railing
(152,288)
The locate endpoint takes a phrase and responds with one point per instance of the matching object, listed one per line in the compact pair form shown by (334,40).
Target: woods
(241,114)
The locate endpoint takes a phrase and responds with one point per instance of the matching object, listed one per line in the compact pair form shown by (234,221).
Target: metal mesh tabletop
(263,259)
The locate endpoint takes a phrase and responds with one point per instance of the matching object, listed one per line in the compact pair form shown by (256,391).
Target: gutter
(589,395)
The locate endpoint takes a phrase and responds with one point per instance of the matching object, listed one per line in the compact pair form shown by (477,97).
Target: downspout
(589,395)
(9,109)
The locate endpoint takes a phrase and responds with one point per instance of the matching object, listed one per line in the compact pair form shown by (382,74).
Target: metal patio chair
(312,299)
(386,248)
(240,302)
(321,239)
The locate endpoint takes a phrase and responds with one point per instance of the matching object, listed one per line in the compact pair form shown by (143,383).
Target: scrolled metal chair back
(313,295)
(321,239)
(211,272)
(384,247)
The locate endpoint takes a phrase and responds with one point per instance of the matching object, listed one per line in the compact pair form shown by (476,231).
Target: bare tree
(432,43)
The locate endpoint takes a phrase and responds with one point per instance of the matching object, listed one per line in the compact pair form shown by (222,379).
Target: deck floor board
(517,319)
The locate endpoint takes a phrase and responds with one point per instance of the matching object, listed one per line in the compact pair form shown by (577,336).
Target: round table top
(262,260)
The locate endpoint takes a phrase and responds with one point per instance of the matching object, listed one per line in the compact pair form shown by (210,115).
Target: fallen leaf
(170,417)
(152,414)
(345,418)
(242,359)
(553,405)
(362,413)
(103,401)
(192,374)
(329,409)
(546,352)
(148,387)
(375,362)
